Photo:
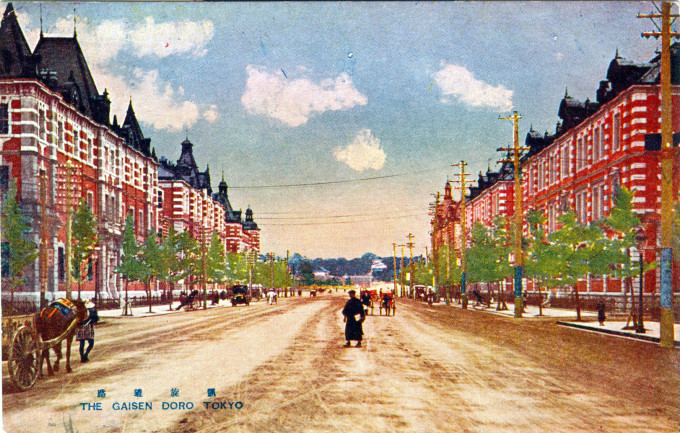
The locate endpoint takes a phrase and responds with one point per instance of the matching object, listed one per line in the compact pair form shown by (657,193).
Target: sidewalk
(590,323)
(158,310)
(652,330)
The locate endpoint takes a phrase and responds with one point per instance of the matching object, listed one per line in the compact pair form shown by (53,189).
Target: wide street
(427,369)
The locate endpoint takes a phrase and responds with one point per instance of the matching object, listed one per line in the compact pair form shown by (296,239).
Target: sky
(336,122)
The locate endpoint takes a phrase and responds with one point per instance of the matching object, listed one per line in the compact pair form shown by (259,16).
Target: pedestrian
(353,326)
(600,312)
(86,331)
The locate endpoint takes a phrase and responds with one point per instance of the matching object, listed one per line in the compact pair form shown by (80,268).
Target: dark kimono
(353,328)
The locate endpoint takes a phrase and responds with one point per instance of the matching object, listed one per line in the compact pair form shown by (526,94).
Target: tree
(576,249)
(131,269)
(84,239)
(152,261)
(488,256)
(624,224)
(216,272)
(178,251)
(236,267)
(17,251)
(541,261)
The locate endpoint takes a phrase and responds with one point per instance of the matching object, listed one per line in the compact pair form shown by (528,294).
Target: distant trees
(130,268)
(488,256)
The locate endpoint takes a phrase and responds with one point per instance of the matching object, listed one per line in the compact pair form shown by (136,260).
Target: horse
(59,321)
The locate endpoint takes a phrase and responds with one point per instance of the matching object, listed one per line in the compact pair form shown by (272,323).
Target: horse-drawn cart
(22,345)
(387,304)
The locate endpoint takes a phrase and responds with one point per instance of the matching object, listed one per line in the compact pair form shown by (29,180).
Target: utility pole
(394,273)
(287,283)
(69,223)
(410,264)
(401,272)
(205,270)
(518,211)
(463,233)
(667,153)
(43,238)
(271,257)
(435,250)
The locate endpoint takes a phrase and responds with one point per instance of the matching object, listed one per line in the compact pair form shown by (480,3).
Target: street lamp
(641,239)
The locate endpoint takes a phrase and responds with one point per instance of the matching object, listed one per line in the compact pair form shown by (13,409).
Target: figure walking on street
(600,312)
(86,331)
(353,326)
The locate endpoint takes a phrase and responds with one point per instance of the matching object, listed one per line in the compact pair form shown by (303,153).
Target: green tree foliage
(179,254)
(487,257)
(153,263)
(579,250)
(236,268)
(84,240)
(130,268)
(216,272)
(20,251)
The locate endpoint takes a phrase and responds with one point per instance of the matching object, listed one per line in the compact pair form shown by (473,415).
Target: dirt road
(426,369)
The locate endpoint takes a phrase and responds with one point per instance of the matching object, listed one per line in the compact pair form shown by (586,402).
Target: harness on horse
(65,306)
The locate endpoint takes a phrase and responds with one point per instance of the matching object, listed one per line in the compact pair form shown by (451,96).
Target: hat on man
(89,304)
(352,292)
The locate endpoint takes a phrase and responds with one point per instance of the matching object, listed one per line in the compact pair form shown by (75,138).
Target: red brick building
(52,114)
(597,146)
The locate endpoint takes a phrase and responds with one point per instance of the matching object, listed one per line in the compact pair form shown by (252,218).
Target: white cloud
(155,100)
(211,114)
(457,81)
(362,153)
(164,39)
(294,101)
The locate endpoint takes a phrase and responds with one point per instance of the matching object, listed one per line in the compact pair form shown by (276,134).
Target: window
(564,163)
(160,198)
(4,119)
(61,264)
(4,180)
(598,202)
(41,124)
(5,259)
(90,268)
(616,125)
(90,200)
(597,152)
(60,135)
(580,154)
(552,217)
(581,206)
(551,169)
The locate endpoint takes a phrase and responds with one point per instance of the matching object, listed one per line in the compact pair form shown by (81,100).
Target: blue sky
(296,93)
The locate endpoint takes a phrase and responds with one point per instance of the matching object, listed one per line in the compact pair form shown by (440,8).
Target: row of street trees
(557,259)
(181,257)
(18,252)
(177,257)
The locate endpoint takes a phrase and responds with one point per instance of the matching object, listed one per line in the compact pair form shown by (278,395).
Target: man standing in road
(353,327)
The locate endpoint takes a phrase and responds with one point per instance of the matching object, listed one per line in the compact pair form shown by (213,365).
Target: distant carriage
(368,299)
(387,304)
(189,302)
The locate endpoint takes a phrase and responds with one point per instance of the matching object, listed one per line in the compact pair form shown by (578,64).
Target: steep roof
(14,50)
(186,169)
(132,132)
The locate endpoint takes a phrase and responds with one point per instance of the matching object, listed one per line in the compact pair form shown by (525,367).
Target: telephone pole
(271,257)
(394,272)
(518,213)
(463,233)
(667,153)
(69,223)
(435,230)
(401,272)
(410,264)
(43,238)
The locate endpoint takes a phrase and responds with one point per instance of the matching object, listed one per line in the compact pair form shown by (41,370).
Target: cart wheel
(24,356)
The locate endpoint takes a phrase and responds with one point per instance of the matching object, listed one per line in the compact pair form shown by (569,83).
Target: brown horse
(61,317)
